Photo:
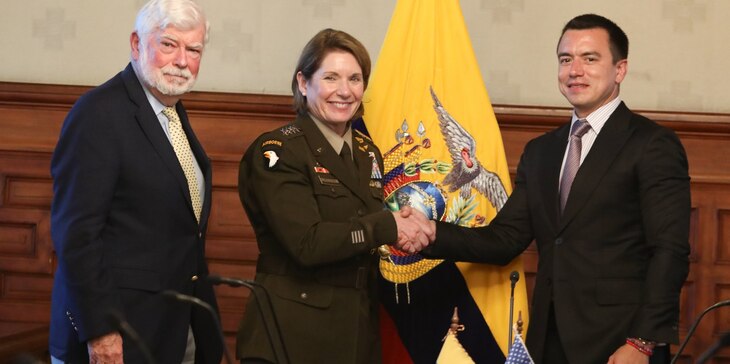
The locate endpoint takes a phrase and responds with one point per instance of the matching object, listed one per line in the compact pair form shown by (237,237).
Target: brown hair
(313,54)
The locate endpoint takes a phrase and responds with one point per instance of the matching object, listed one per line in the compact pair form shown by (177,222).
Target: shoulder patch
(275,142)
(270,158)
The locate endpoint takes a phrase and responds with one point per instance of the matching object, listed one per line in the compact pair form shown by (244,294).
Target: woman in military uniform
(313,193)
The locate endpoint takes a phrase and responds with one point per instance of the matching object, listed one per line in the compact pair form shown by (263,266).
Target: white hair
(159,14)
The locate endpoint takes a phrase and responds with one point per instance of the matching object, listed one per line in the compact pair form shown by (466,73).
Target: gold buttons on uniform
(303,295)
(194,278)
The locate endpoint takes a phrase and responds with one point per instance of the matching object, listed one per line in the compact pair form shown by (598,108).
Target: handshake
(415,230)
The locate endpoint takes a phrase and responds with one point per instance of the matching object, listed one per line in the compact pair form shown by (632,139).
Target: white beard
(155,77)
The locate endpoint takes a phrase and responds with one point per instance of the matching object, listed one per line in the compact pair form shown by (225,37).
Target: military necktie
(346,155)
(572,162)
(185,155)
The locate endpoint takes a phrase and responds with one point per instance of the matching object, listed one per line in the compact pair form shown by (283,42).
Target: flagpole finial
(455,326)
(519,322)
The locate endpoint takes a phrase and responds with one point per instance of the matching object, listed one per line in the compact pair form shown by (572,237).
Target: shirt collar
(598,118)
(333,138)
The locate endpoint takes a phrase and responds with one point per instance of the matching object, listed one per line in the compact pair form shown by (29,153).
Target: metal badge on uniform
(328,181)
(375,174)
(324,176)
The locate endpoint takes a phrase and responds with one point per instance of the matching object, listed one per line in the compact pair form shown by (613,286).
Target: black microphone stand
(252,285)
(198,302)
(513,277)
(722,342)
(125,328)
(694,327)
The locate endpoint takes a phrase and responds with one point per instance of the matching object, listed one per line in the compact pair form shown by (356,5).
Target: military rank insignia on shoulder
(290,130)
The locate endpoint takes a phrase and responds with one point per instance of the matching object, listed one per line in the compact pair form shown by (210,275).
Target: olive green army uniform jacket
(318,226)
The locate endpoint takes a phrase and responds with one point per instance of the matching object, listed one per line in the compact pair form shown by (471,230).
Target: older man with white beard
(131,203)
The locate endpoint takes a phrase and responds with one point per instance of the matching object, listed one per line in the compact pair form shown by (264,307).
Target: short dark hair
(324,42)
(618,41)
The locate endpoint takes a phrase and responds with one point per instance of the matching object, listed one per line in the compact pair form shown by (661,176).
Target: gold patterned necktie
(182,149)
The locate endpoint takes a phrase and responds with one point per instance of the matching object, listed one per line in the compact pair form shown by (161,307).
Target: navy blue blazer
(124,230)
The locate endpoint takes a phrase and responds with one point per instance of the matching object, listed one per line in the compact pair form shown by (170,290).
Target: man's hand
(415,231)
(106,349)
(627,354)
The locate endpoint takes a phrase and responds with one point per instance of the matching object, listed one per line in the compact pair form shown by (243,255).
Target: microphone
(200,303)
(722,342)
(252,285)
(233,282)
(513,278)
(694,327)
(119,322)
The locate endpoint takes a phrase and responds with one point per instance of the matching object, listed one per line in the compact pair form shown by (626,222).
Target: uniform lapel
(327,157)
(361,153)
(613,136)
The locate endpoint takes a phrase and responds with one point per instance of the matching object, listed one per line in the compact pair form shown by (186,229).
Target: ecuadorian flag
(428,111)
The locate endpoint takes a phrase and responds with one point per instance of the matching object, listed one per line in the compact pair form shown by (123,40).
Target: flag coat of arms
(428,111)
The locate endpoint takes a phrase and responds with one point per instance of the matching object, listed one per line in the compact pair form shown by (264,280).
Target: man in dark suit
(132,194)
(613,244)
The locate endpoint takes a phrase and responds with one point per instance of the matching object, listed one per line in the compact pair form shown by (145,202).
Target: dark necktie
(346,155)
(572,162)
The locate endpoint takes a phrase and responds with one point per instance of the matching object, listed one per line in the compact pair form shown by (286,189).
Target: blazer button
(558,241)
(194,278)
(303,295)
(200,235)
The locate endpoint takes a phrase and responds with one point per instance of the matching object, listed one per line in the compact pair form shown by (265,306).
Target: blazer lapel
(549,177)
(150,125)
(614,134)
(326,155)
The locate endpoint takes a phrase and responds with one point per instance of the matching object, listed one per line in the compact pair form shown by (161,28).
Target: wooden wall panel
(31,116)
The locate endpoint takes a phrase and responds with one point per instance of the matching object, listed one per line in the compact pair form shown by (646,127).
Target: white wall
(678,58)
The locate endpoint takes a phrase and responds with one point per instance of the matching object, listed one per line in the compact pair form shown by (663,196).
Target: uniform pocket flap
(306,293)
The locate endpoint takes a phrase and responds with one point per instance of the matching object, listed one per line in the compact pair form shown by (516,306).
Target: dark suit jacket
(613,264)
(317,229)
(124,230)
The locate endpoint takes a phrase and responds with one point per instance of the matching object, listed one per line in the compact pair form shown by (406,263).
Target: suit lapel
(607,146)
(551,161)
(326,156)
(150,125)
